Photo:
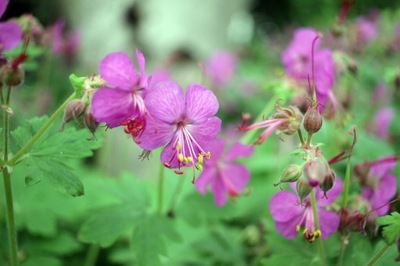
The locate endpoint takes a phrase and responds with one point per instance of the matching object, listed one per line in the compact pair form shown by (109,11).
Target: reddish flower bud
(328,182)
(90,121)
(316,170)
(13,76)
(74,109)
(312,120)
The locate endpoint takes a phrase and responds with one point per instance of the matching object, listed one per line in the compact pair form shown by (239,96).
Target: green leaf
(63,244)
(107,223)
(56,173)
(391,226)
(149,237)
(42,260)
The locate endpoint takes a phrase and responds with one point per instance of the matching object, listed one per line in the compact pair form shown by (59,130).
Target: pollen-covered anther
(200,158)
(311,236)
(177,171)
(199,167)
(181,158)
(208,155)
(166,164)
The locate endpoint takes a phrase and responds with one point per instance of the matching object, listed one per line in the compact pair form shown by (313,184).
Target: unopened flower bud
(74,109)
(90,121)
(315,171)
(303,188)
(290,174)
(13,76)
(312,120)
(328,182)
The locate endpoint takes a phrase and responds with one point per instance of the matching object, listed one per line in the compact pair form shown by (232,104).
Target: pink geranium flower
(297,60)
(186,124)
(220,67)
(66,46)
(290,215)
(122,100)
(10,32)
(378,184)
(382,121)
(225,177)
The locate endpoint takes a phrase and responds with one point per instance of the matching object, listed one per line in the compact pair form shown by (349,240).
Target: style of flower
(220,67)
(290,214)
(10,31)
(121,102)
(378,184)
(225,177)
(186,124)
(298,62)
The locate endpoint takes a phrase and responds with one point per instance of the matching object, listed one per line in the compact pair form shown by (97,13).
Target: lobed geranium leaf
(391,226)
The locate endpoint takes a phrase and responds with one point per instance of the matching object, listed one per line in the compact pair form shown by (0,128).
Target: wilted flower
(224,176)
(186,124)
(378,184)
(286,120)
(220,67)
(10,31)
(122,100)
(290,214)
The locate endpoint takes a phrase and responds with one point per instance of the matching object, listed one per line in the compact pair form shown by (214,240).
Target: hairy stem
(346,188)
(92,254)
(35,137)
(317,228)
(300,134)
(11,230)
(343,244)
(378,255)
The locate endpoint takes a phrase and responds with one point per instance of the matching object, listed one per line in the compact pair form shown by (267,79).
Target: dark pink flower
(10,32)
(225,177)
(122,100)
(220,67)
(382,121)
(297,60)
(68,45)
(290,215)
(378,184)
(186,124)
(367,30)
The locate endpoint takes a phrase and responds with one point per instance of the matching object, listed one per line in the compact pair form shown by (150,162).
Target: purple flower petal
(284,206)
(382,167)
(219,191)
(10,35)
(201,103)
(235,177)
(206,132)
(112,106)
(3,6)
(288,228)
(329,222)
(239,150)
(382,120)
(156,134)
(142,67)
(166,102)
(216,150)
(205,178)
(118,70)
(381,195)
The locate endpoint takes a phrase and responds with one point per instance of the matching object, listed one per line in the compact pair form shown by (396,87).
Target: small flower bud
(303,188)
(290,174)
(315,171)
(312,120)
(74,109)
(90,121)
(14,76)
(328,182)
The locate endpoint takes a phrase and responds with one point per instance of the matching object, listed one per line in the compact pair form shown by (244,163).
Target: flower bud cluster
(80,109)
(315,171)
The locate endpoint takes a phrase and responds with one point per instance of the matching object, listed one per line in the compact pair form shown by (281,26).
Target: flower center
(307,219)
(187,151)
(135,127)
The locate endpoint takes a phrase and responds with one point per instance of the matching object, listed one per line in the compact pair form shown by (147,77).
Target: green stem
(11,230)
(309,140)
(378,255)
(12,233)
(343,244)
(346,188)
(160,188)
(246,139)
(300,134)
(92,254)
(317,228)
(35,137)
